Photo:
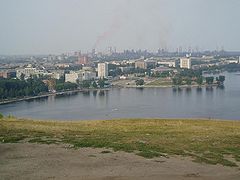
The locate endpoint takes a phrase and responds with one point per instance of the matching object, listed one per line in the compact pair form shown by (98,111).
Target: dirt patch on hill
(37,161)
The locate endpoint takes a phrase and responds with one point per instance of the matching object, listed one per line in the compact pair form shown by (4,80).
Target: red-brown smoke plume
(115,26)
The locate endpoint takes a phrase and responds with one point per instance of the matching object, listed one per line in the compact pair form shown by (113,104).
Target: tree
(220,80)
(11,88)
(199,80)
(177,81)
(86,84)
(101,83)
(139,82)
(189,81)
(209,80)
(94,85)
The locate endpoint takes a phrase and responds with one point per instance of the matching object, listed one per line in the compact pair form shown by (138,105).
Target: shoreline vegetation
(13,100)
(14,90)
(205,141)
(46,95)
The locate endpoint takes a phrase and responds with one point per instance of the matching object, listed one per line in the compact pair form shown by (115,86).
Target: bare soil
(38,161)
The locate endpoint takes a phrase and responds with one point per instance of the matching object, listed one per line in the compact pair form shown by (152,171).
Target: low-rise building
(82,75)
(72,77)
(126,69)
(87,75)
(150,63)
(161,70)
(185,63)
(27,72)
(140,65)
(168,63)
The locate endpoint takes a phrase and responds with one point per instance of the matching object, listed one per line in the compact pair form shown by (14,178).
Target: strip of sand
(38,161)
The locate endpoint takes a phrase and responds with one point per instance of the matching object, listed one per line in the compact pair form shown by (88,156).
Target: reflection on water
(43,99)
(199,89)
(140,88)
(188,90)
(101,93)
(86,93)
(211,102)
(221,87)
(70,94)
(95,93)
(209,88)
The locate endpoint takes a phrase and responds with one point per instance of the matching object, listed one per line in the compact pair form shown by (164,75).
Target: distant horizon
(88,52)
(58,26)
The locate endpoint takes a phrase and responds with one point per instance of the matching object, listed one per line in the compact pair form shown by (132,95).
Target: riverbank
(83,90)
(167,86)
(46,95)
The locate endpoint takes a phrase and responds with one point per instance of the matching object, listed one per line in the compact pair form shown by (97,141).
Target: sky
(59,26)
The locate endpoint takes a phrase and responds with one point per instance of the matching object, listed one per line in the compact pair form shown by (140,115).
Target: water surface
(134,103)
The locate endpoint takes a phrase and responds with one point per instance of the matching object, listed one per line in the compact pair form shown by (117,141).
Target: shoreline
(83,90)
(46,95)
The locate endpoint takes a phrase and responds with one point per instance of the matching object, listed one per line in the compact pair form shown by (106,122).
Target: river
(215,103)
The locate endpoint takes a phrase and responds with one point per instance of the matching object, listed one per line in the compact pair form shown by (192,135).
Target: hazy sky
(57,26)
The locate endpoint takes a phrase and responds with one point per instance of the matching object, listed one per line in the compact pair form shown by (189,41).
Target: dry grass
(203,140)
(160,82)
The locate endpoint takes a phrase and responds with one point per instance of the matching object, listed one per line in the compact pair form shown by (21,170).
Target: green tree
(86,84)
(221,79)
(94,85)
(209,80)
(177,81)
(199,80)
(101,83)
(139,82)
(189,81)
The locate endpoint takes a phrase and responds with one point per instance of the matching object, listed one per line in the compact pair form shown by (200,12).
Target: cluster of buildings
(79,67)
(88,73)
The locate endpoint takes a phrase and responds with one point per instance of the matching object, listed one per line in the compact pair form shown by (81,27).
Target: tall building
(185,63)
(102,70)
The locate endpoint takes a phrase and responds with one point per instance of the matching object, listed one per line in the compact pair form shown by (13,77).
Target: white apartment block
(168,63)
(102,70)
(185,63)
(72,77)
(80,75)
(27,72)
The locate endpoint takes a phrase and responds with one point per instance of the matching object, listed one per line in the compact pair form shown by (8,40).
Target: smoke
(114,27)
(144,26)
(116,22)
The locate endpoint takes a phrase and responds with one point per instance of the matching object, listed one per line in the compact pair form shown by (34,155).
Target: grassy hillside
(213,142)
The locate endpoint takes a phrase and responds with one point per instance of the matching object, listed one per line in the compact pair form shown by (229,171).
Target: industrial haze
(56,26)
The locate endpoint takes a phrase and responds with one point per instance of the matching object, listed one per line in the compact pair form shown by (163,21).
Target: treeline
(13,88)
(187,77)
(66,86)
